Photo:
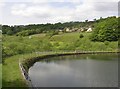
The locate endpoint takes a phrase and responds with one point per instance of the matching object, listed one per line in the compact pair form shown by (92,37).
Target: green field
(17,47)
(13,45)
(11,73)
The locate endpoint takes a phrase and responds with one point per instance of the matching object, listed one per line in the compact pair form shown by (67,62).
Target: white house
(89,30)
(67,29)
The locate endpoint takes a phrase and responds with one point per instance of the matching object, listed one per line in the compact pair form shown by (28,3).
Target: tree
(52,33)
(86,21)
(106,30)
(10,32)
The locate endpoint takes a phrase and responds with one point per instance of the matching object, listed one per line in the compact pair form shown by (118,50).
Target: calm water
(76,71)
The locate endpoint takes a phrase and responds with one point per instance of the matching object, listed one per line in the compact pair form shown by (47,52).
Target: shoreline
(42,56)
(27,63)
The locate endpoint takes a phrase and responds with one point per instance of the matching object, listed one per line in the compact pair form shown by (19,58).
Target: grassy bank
(13,45)
(12,76)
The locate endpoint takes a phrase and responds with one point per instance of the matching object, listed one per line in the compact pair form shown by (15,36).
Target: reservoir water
(85,70)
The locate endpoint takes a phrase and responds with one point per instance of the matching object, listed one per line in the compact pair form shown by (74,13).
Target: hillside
(13,45)
(102,36)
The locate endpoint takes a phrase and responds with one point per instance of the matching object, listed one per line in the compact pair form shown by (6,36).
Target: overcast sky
(19,12)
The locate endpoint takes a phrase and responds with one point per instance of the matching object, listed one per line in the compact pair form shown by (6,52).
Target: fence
(74,51)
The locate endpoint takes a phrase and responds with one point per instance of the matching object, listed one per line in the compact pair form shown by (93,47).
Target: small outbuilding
(89,30)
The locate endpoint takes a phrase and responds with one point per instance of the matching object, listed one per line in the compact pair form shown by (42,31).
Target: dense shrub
(81,36)
(106,30)
(106,42)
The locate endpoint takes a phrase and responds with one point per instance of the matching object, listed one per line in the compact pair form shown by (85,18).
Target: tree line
(39,28)
(104,29)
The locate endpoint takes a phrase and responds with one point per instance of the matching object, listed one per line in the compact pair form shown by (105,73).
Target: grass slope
(13,45)
(12,76)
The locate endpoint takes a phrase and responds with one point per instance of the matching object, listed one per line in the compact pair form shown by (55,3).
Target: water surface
(98,70)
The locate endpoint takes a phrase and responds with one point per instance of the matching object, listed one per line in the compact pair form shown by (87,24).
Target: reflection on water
(76,71)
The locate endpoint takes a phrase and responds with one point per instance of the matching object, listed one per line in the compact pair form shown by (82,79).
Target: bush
(81,36)
(52,33)
(106,42)
(9,32)
(106,30)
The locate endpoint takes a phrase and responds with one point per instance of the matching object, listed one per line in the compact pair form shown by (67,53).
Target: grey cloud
(106,6)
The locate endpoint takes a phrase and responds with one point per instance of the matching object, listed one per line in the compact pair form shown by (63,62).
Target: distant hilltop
(25,30)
